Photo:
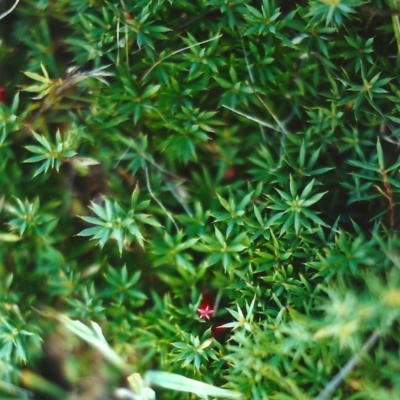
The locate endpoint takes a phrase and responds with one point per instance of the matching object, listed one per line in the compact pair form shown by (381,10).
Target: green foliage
(196,350)
(53,154)
(237,164)
(296,207)
(114,220)
(332,11)
(27,217)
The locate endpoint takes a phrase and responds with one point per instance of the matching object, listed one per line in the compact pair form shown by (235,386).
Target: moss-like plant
(213,183)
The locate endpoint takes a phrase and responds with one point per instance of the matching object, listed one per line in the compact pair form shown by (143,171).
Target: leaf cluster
(234,156)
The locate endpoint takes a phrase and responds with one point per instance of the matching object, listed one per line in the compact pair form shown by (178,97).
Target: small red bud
(216,331)
(230,173)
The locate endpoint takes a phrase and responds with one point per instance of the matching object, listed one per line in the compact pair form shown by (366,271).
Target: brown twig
(388,194)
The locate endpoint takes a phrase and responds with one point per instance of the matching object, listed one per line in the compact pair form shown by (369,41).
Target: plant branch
(388,194)
(251,118)
(146,171)
(395,22)
(348,367)
(268,108)
(251,76)
(176,52)
(9,11)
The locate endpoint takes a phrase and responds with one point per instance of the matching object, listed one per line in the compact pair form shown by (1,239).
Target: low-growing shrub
(213,183)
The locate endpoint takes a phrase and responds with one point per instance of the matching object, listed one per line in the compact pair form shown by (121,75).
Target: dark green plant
(113,220)
(237,164)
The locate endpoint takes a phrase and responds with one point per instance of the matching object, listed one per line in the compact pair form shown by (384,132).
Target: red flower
(1,94)
(205,311)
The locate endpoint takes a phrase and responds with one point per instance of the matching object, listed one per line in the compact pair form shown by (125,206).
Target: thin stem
(217,300)
(117,63)
(246,58)
(281,126)
(268,108)
(178,197)
(126,47)
(394,6)
(10,10)
(176,52)
(171,187)
(146,171)
(255,119)
(342,374)
(388,194)
(251,76)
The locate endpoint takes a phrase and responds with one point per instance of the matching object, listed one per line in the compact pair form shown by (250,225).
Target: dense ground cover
(211,184)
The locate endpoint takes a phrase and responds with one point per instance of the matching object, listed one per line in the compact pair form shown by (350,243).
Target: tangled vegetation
(206,192)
